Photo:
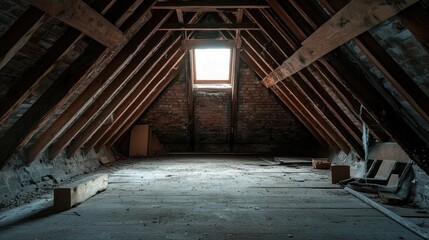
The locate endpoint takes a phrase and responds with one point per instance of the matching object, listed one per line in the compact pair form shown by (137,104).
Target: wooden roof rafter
(354,19)
(54,97)
(135,49)
(84,18)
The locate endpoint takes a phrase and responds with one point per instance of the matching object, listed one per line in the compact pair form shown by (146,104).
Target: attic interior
(211,119)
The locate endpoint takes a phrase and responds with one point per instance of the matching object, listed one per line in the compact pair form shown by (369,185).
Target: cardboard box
(321,163)
(339,173)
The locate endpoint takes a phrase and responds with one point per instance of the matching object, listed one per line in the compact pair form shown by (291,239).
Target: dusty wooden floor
(207,197)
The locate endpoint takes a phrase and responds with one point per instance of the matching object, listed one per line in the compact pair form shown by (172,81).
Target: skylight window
(212,66)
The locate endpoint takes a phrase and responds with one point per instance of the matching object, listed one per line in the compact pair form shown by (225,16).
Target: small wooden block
(69,195)
(339,173)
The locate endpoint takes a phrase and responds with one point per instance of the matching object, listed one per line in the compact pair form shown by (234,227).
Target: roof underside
(97,66)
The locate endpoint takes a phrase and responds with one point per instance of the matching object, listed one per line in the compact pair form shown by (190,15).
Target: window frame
(211,82)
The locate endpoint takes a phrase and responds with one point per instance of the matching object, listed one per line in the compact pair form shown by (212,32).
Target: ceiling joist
(207,5)
(208,26)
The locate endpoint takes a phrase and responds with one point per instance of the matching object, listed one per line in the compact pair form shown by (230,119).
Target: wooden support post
(82,17)
(235,81)
(118,63)
(19,33)
(355,18)
(190,101)
(32,78)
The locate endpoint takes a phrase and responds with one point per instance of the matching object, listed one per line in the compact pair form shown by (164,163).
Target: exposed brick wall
(263,124)
(168,116)
(212,119)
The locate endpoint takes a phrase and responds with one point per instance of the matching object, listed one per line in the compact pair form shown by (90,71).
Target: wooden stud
(354,19)
(82,17)
(19,33)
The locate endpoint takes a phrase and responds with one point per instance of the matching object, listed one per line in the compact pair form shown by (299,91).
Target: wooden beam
(331,116)
(331,79)
(32,78)
(118,63)
(69,195)
(116,66)
(125,109)
(190,101)
(82,17)
(355,18)
(310,79)
(208,43)
(392,71)
(270,31)
(19,33)
(322,138)
(287,20)
(386,115)
(150,95)
(298,99)
(208,26)
(117,100)
(191,5)
(125,80)
(416,19)
(54,97)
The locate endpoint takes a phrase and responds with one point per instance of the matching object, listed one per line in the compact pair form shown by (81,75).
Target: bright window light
(212,64)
